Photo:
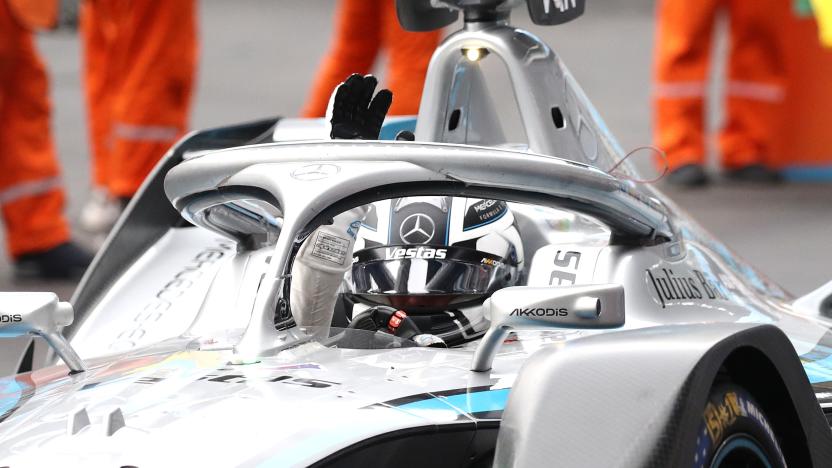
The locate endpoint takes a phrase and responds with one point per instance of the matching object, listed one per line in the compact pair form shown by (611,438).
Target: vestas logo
(561,5)
(417,252)
(11,318)
(540,312)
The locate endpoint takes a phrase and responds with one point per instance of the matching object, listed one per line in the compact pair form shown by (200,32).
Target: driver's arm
(319,269)
(326,255)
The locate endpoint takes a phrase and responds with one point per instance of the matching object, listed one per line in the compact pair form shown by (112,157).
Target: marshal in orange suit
(31,192)
(363,28)
(139,65)
(803,142)
(755,86)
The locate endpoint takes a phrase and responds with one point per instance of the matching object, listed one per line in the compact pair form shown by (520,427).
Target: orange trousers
(30,186)
(139,65)
(363,28)
(754,85)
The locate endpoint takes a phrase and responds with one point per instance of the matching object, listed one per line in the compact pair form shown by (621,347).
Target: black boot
(755,173)
(66,261)
(689,175)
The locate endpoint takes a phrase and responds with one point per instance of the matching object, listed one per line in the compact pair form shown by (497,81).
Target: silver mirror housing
(40,314)
(524,307)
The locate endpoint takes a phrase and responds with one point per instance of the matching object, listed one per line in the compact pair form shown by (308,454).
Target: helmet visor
(425,276)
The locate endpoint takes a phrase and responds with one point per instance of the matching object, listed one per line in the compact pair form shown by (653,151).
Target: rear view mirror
(39,314)
(525,307)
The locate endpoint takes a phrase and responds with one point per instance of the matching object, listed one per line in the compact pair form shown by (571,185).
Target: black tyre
(735,432)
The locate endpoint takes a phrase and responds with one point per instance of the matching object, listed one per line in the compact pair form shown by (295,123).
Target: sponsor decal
(483,212)
(561,5)
(399,253)
(353,228)
(236,378)
(491,262)
(164,299)
(719,417)
(670,286)
(565,271)
(11,318)
(283,379)
(540,312)
(417,228)
(331,248)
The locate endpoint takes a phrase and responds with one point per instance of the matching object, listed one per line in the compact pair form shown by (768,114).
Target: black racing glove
(356,114)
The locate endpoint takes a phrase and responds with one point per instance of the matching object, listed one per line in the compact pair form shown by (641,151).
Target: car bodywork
(191,358)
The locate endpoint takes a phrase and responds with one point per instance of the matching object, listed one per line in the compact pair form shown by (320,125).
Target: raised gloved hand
(353,111)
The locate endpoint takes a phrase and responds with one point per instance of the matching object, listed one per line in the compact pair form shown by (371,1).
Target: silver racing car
(296,292)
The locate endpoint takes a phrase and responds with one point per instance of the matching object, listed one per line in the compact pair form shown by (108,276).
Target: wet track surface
(258,57)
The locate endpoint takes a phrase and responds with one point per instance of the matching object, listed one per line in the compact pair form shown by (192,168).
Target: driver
(422,266)
(431,262)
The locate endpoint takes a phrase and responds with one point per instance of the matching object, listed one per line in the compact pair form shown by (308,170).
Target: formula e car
(272,297)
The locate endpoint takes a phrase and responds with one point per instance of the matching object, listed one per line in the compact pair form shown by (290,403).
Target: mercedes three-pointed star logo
(417,228)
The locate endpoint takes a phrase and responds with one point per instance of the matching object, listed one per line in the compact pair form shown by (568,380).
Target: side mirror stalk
(39,314)
(523,307)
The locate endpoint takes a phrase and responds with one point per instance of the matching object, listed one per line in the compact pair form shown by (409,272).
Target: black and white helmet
(434,255)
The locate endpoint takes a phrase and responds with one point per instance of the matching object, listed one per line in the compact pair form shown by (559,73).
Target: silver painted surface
(158,297)
(623,400)
(540,82)
(177,397)
(524,307)
(811,304)
(41,315)
(193,187)
(527,172)
(162,407)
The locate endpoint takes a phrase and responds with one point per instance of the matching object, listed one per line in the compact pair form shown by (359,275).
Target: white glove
(319,269)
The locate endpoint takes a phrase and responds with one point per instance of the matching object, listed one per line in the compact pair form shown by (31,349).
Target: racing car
(435,295)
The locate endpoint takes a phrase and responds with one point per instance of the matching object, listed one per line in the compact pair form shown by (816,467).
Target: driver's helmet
(436,258)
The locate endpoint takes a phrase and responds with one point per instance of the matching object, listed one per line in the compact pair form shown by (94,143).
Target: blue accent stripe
(393,126)
(817,363)
(448,221)
(477,402)
(808,173)
(10,394)
(819,371)
(742,442)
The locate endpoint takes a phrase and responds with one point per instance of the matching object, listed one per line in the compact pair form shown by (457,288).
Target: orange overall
(30,185)
(803,143)
(754,86)
(363,28)
(139,65)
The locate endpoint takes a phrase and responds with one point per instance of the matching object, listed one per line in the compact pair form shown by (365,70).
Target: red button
(394,322)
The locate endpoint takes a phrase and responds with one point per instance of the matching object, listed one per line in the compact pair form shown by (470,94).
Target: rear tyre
(735,432)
